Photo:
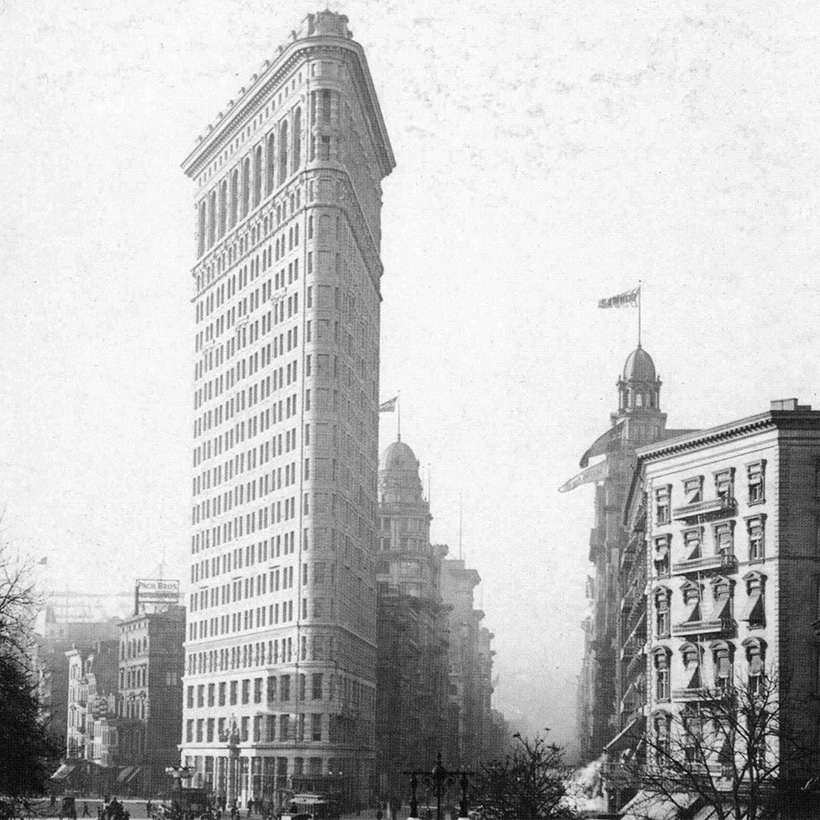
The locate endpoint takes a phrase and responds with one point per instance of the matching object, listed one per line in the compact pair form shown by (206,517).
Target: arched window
(223,208)
(270,164)
(246,186)
(660,661)
(283,152)
(257,175)
(234,198)
(203,222)
(639,400)
(297,139)
(211,218)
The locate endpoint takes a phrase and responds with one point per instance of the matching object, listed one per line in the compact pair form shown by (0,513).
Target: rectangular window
(316,727)
(257,690)
(693,490)
(234,692)
(222,688)
(756,474)
(724,540)
(725,486)
(246,691)
(283,727)
(663,505)
(692,540)
(317,686)
(757,541)
(284,687)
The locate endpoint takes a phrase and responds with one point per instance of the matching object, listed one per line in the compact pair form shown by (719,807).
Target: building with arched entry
(281,635)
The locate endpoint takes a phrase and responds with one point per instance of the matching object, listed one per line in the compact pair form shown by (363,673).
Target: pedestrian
(379,814)
(86,812)
(250,806)
(149,807)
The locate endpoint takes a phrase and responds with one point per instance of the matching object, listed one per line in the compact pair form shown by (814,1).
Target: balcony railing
(695,693)
(704,627)
(713,508)
(723,562)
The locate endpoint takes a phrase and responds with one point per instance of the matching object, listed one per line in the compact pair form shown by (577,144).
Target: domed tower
(639,393)
(406,561)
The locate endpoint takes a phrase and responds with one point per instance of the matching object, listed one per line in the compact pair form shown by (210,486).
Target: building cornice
(263,86)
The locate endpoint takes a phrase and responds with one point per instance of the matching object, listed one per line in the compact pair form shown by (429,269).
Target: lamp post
(439,779)
(232,739)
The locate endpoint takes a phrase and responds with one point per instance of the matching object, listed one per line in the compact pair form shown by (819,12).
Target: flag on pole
(599,446)
(597,472)
(630,298)
(389,406)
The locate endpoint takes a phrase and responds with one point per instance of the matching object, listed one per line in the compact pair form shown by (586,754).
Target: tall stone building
(413,662)
(282,610)
(638,421)
(724,523)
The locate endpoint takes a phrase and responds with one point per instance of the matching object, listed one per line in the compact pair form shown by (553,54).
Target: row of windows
(239,692)
(723,543)
(724,485)
(241,191)
(692,594)
(266,729)
(722,667)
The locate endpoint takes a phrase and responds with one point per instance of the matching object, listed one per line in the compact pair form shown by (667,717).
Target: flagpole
(398,408)
(639,312)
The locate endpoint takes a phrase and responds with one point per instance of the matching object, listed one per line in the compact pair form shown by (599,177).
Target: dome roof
(399,457)
(639,367)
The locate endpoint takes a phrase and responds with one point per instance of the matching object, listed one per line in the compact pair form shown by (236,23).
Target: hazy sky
(549,153)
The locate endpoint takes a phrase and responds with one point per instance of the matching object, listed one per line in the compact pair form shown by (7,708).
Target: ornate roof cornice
(227,125)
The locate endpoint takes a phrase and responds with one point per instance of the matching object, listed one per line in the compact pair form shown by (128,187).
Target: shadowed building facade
(281,642)
(412,659)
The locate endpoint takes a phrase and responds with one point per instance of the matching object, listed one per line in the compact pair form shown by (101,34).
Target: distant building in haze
(412,627)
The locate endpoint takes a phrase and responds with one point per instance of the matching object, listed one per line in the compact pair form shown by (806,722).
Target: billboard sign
(157,591)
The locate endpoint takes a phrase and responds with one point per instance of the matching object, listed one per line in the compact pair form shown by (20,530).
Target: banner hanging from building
(599,446)
(597,472)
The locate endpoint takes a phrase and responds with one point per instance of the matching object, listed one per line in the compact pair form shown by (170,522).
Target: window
(722,594)
(661,664)
(222,688)
(724,540)
(662,723)
(317,686)
(662,597)
(246,691)
(257,690)
(725,485)
(755,611)
(756,474)
(693,490)
(755,656)
(692,735)
(284,688)
(692,543)
(722,661)
(755,528)
(663,510)
(234,692)
(691,664)
(284,725)
(271,689)
(190,696)
(691,599)
(660,556)
(316,727)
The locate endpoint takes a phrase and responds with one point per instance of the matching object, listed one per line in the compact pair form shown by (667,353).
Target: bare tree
(25,747)
(528,782)
(735,748)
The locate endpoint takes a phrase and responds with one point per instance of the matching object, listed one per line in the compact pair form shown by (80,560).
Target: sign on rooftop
(156,591)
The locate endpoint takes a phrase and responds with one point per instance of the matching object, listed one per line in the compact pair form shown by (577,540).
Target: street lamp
(439,779)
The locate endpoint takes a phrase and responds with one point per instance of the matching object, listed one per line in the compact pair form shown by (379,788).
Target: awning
(627,737)
(134,772)
(63,772)
(647,805)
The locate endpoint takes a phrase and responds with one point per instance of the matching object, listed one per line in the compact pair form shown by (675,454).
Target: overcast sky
(549,153)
